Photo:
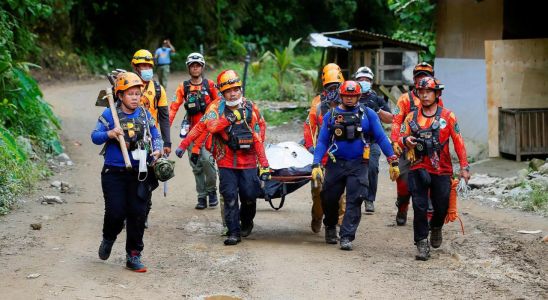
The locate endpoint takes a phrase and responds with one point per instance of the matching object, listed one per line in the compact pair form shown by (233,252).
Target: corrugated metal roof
(358,35)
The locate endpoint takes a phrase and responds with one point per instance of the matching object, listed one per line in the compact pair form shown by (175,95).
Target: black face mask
(332,96)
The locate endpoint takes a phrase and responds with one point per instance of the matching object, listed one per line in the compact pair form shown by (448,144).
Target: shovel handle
(117,124)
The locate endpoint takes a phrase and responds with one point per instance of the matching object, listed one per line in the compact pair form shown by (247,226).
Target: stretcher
(291,166)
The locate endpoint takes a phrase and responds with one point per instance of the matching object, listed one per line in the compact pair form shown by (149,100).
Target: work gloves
(317,172)
(411,155)
(311,149)
(179,152)
(194,158)
(397,149)
(264,173)
(373,105)
(394,168)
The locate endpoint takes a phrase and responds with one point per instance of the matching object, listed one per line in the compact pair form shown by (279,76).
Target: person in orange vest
(234,123)
(425,135)
(331,79)
(153,98)
(407,103)
(196,95)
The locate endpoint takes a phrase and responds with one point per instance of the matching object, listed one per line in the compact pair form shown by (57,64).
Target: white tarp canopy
(319,40)
(288,154)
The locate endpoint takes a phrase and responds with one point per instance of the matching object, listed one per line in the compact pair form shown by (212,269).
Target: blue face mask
(366,86)
(146,74)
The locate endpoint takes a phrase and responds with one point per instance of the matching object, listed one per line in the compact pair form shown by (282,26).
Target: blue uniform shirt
(352,150)
(163,55)
(113,156)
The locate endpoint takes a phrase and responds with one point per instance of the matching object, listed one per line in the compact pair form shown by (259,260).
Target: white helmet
(195,57)
(364,72)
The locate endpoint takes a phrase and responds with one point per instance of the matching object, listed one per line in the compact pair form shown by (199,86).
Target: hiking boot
(232,240)
(436,237)
(105,249)
(202,204)
(402,203)
(316,225)
(134,262)
(369,207)
(331,235)
(247,228)
(225,231)
(423,250)
(213,199)
(401,217)
(346,244)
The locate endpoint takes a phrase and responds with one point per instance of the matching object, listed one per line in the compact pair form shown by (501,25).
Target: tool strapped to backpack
(195,100)
(428,140)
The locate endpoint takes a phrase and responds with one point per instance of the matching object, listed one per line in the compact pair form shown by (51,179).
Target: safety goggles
(230,81)
(146,58)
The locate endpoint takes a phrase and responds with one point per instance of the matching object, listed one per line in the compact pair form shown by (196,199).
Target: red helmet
(350,87)
(423,68)
(430,83)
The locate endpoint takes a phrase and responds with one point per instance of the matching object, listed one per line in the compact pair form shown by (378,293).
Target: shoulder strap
(205,86)
(330,112)
(186,87)
(158,95)
(318,110)
(104,121)
(249,111)
(412,106)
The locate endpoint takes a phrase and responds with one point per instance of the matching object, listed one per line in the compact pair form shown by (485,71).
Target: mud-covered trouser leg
(356,192)
(210,170)
(440,188)
(242,182)
(222,200)
(342,208)
(317,211)
(122,202)
(374,157)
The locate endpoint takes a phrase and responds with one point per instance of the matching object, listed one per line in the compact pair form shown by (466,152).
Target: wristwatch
(467,168)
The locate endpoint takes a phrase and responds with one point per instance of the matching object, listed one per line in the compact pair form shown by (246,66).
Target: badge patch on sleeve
(443,123)
(174,98)
(257,128)
(307,122)
(403,128)
(212,115)
(397,110)
(457,128)
(203,118)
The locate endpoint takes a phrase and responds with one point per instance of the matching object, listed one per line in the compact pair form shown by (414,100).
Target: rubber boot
(202,204)
(436,237)
(423,250)
(331,234)
(402,203)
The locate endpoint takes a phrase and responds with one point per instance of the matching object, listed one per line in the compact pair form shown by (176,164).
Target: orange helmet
(423,68)
(142,57)
(430,83)
(350,87)
(228,79)
(127,80)
(329,67)
(332,76)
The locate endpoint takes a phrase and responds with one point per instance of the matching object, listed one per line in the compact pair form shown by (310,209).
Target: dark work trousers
(245,184)
(374,157)
(352,175)
(440,188)
(122,202)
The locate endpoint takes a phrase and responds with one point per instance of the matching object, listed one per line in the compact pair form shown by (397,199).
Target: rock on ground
(52,199)
(522,174)
(481,180)
(63,157)
(544,169)
(536,163)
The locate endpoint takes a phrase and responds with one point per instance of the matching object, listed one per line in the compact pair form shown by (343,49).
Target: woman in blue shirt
(121,186)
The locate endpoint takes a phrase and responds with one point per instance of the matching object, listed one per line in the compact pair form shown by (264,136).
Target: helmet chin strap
(350,107)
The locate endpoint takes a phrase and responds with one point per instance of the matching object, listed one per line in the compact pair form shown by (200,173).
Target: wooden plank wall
(464,25)
(504,61)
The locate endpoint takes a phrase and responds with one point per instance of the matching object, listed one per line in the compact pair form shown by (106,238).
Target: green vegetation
(279,118)
(23,112)
(536,200)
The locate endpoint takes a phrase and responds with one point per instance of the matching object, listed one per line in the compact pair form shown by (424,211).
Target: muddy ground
(282,259)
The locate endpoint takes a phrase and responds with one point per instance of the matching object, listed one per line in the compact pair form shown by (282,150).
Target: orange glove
(452,211)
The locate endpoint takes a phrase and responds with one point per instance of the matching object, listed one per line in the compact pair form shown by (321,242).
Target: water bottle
(185,127)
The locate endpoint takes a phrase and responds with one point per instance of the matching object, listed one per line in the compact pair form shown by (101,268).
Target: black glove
(311,149)
(194,158)
(179,152)
(373,105)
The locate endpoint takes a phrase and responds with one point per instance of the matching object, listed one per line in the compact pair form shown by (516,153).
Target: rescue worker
(331,79)
(163,57)
(153,98)
(407,103)
(125,194)
(344,136)
(364,76)
(425,133)
(237,146)
(195,95)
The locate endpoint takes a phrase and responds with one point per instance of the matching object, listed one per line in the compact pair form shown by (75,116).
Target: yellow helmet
(332,76)
(142,57)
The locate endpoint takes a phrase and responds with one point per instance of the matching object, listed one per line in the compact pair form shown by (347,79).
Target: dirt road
(282,259)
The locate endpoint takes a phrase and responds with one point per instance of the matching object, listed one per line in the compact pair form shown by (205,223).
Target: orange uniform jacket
(402,110)
(181,98)
(216,124)
(313,123)
(448,128)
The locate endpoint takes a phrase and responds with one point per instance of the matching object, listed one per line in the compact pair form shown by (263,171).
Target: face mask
(146,74)
(332,95)
(235,102)
(366,86)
